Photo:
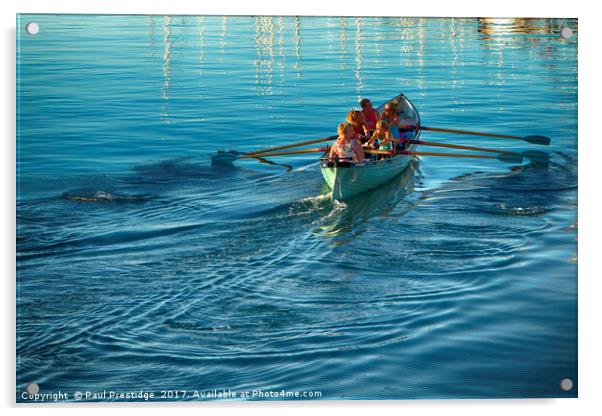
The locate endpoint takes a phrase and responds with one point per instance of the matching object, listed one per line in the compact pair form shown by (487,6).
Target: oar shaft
(447,154)
(378,152)
(288,146)
(471,133)
(453,146)
(292,152)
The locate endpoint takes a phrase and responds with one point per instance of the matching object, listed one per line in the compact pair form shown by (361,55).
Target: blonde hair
(342,128)
(354,116)
(382,125)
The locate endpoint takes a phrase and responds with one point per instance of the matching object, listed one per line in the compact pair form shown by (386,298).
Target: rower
(370,114)
(390,114)
(381,139)
(355,119)
(346,150)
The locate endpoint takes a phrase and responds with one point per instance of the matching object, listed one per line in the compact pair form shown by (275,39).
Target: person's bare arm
(333,150)
(372,139)
(388,137)
(359,152)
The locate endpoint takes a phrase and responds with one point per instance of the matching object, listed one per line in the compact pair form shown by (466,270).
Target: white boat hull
(346,182)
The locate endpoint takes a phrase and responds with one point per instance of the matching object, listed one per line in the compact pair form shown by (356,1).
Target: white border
(589,139)
(469,8)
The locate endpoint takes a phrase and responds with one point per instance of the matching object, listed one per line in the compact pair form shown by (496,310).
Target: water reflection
(298,56)
(457,52)
(151,35)
(202,30)
(167,44)
(343,43)
(357,47)
(358,59)
(264,64)
(502,37)
(411,39)
(504,29)
(223,43)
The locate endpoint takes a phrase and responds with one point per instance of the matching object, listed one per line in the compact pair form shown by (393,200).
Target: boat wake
(349,218)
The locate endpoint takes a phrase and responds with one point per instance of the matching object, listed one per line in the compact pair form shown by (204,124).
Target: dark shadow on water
(177,169)
(154,179)
(531,189)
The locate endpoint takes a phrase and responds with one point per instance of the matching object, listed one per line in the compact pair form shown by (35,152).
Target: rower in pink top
(371,115)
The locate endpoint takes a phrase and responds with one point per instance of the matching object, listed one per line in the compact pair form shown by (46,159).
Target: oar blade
(537,157)
(224,157)
(543,140)
(510,157)
(269,162)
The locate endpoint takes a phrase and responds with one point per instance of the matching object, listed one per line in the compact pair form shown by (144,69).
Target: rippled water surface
(141,266)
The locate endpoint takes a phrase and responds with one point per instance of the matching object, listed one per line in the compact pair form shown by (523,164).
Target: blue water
(142,267)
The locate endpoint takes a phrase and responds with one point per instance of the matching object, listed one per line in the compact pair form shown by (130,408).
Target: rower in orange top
(355,118)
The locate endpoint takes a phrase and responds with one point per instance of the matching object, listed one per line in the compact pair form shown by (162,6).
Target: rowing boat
(348,181)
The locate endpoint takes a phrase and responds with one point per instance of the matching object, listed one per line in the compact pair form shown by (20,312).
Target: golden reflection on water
(503,31)
(491,28)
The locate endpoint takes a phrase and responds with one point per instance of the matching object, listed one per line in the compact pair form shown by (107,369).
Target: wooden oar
(224,157)
(530,139)
(512,158)
(378,152)
(288,146)
(292,152)
(269,162)
(533,155)
(454,146)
